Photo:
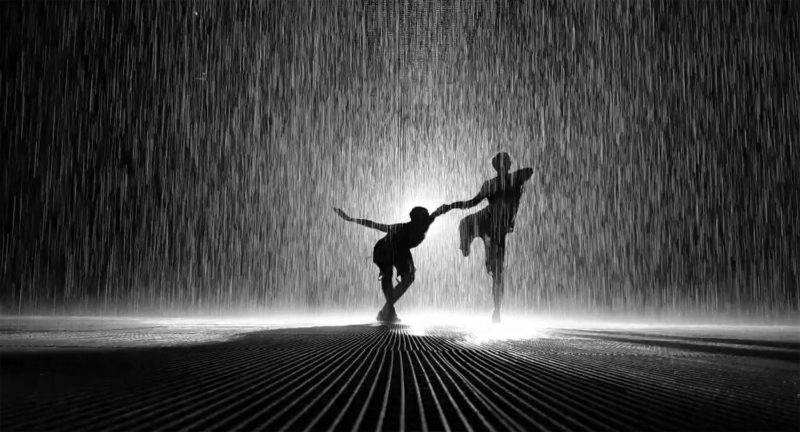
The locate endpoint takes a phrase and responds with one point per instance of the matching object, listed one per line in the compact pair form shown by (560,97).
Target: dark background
(184,156)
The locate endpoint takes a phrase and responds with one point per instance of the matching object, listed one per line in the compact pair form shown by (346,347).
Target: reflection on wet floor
(19,333)
(411,376)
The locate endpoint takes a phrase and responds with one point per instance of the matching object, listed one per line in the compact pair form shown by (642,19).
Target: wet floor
(411,377)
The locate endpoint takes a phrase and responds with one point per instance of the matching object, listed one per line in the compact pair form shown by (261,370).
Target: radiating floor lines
(369,377)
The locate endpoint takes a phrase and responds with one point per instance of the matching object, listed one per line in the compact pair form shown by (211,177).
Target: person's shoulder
(398,227)
(522,174)
(489,185)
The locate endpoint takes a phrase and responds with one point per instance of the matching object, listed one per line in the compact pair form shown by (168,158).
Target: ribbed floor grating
(374,377)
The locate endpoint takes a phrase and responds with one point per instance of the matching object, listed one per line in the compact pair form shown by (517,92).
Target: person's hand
(342,214)
(444,208)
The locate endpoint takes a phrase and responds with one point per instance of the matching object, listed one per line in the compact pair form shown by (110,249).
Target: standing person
(394,250)
(494,222)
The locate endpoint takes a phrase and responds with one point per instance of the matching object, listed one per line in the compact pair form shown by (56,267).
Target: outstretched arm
(366,222)
(440,211)
(467,204)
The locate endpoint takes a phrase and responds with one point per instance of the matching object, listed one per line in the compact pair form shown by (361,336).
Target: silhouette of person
(494,222)
(394,250)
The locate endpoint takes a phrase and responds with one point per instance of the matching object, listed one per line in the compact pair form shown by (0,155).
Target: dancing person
(394,250)
(494,222)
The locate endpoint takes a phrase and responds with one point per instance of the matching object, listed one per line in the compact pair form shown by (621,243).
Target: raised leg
(466,233)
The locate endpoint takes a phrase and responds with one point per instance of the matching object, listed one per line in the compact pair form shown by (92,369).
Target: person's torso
(408,236)
(503,194)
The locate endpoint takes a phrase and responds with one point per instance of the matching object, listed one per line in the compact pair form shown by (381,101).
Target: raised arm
(523,174)
(365,222)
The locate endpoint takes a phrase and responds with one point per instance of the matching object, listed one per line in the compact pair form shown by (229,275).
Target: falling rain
(185,157)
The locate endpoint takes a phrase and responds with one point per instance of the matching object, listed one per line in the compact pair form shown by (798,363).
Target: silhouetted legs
(495,254)
(405,268)
(386,287)
(392,295)
(494,242)
(497,294)
(388,257)
(406,279)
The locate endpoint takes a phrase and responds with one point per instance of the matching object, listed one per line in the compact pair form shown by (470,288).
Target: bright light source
(476,329)
(470,328)
(421,200)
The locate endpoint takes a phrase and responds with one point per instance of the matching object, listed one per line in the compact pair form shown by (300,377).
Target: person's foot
(387,316)
(383,315)
(496,316)
(391,316)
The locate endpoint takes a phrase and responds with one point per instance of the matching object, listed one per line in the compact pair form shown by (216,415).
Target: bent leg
(386,284)
(406,279)
(471,226)
(382,256)
(386,287)
(405,268)
(466,233)
(387,312)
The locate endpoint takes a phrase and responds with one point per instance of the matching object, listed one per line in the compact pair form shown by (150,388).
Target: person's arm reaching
(365,222)
(440,211)
(467,204)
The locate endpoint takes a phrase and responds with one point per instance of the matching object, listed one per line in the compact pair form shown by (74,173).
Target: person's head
(501,162)
(419,215)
